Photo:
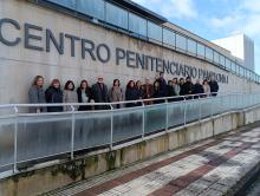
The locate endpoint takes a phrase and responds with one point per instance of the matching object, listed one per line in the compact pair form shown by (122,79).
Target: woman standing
(140,91)
(176,86)
(54,94)
(36,94)
(84,95)
(157,93)
(69,96)
(206,88)
(131,93)
(116,93)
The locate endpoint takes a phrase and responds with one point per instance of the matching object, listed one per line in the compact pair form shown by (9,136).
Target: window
(209,54)
(192,46)
(216,57)
(181,42)
(168,37)
(228,64)
(65,3)
(116,16)
(222,61)
(201,50)
(154,31)
(95,8)
(137,24)
(233,67)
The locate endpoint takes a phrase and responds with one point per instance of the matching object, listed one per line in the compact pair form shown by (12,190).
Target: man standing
(163,85)
(100,93)
(188,87)
(213,86)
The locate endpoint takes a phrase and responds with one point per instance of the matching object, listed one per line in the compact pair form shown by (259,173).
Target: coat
(70,97)
(54,95)
(131,94)
(206,88)
(187,88)
(37,96)
(89,96)
(213,87)
(163,87)
(116,95)
(198,89)
(100,95)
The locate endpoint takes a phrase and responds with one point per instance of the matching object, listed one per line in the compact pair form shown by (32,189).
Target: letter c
(16,25)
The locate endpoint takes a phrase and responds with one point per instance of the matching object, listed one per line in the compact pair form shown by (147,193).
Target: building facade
(78,39)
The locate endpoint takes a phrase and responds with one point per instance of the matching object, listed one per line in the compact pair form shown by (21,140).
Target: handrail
(119,102)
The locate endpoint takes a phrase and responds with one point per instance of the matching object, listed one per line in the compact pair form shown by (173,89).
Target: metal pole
(167,116)
(15,140)
(199,100)
(185,111)
(72,132)
(211,107)
(143,128)
(112,126)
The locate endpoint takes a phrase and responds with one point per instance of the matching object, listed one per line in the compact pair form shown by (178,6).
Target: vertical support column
(167,116)
(185,111)
(143,119)
(199,100)
(72,132)
(15,139)
(112,125)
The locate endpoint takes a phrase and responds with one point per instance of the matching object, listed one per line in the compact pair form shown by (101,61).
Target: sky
(213,19)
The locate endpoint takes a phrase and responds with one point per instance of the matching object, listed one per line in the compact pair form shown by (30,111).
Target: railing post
(143,119)
(167,116)
(15,140)
(112,125)
(211,106)
(185,111)
(199,107)
(72,132)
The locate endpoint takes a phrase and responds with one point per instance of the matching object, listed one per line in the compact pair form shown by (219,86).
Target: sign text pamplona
(34,35)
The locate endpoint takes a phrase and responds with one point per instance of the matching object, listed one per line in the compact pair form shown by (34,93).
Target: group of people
(99,92)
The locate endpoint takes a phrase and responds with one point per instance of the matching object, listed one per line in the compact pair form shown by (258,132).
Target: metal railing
(36,137)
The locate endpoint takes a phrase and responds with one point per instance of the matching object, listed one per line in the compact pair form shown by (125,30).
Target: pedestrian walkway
(213,167)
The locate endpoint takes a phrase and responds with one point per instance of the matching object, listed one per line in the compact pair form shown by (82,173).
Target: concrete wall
(18,65)
(36,181)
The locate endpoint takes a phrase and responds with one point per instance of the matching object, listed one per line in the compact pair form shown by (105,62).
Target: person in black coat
(157,92)
(198,89)
(100,94)
(54,94)
(188,87)
(140,91)
(163,85)
(213,87)
(171,90)
(181,83)
(84,95)
(131,93)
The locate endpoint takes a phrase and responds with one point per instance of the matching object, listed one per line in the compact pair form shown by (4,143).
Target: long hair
(36,78)
(116,80)
(81,84)
(66,87)
(55,81)
(129,84)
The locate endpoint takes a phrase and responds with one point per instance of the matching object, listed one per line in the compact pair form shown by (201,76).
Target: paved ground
(209,168)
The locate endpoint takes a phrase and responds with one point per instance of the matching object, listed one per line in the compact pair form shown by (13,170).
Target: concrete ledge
(36,181)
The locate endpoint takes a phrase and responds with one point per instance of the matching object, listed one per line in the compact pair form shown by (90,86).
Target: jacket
(37,95)
(54,95)
(88,95)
